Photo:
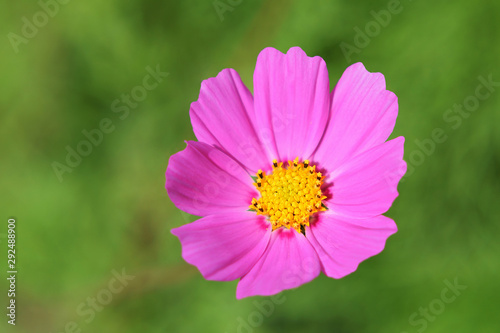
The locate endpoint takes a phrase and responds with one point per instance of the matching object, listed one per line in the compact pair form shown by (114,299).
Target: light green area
(112,211)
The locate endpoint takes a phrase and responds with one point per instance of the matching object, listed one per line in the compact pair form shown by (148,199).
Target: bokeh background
(112,213)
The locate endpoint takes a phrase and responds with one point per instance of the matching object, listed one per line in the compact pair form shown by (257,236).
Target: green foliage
(112,211)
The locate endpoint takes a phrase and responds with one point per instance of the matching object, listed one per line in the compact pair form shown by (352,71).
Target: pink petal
(366,185)
(223,115)
(342,243)
(291,102)
(288,262)
(225,246)
(202,180)
(363,115)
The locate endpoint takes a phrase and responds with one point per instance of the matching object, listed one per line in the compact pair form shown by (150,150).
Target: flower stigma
(289,195)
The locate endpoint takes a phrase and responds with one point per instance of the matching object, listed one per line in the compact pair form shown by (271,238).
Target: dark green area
(112,211)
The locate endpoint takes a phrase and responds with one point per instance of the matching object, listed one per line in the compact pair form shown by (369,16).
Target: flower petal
(222,116)
(363,115)
(342,243)
(291,102)
(288,262)
(225,246)
(366,185)
(202,180)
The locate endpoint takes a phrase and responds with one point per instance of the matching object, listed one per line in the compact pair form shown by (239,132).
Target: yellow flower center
(289,195)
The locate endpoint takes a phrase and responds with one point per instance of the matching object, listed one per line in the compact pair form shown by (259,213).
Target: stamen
(289,195)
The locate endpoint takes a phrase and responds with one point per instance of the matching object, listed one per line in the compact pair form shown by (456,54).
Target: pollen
(289,195)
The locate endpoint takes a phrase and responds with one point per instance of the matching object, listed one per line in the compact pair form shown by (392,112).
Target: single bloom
(290,181)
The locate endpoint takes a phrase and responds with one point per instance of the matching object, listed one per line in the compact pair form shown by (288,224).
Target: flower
(289,181)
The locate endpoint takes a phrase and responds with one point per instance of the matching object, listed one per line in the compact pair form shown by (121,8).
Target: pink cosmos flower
(290,181)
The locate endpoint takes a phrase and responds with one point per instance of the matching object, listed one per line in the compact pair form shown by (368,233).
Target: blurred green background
(111,212)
